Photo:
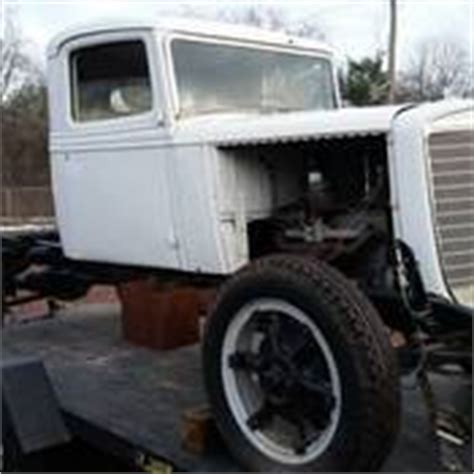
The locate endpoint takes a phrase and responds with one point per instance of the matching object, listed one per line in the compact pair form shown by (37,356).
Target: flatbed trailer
(129,402)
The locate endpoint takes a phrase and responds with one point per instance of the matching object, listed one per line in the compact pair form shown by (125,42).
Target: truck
(340,238)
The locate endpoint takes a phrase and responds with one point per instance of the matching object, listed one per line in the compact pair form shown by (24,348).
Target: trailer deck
(133,399)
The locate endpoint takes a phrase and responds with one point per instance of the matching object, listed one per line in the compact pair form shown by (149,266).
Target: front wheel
(299,370)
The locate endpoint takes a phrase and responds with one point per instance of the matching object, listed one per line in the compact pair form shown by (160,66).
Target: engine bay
(327,198)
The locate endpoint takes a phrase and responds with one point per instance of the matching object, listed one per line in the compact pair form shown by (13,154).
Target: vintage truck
(221,155)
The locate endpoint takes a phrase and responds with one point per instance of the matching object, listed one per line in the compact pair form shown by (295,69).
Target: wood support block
(161,317)
(198,430)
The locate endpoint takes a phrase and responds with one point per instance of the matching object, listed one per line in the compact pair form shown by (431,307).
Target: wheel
(299,370)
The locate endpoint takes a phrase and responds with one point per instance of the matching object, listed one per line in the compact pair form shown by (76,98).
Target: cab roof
(204,29)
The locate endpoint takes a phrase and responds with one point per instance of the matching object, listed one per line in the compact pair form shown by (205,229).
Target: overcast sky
(355,27)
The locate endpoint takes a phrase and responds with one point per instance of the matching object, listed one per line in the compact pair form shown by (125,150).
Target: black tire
(367,365)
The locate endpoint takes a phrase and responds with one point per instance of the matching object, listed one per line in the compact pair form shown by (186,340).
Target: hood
(239,129)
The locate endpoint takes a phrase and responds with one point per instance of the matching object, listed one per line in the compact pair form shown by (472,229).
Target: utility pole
(392,52)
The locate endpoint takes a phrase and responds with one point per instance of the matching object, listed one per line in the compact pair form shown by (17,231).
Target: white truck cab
(221,150)
(136,113)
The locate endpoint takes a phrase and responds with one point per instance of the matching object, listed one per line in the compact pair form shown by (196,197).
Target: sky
(356,27)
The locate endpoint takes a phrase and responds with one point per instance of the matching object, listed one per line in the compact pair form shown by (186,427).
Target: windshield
(225,78)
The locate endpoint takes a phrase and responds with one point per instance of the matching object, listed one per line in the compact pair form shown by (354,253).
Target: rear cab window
(110,81)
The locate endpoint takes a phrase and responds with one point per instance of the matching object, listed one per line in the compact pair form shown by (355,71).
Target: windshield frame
(249,44)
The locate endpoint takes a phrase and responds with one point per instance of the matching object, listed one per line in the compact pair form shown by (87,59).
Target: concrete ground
(141,394)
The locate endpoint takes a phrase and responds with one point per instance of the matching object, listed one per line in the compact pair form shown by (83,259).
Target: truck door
(109,160)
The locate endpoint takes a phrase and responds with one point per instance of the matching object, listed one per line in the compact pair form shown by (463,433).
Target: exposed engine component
(338,216)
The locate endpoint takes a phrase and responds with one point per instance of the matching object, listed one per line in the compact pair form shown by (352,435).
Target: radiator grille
(452,167)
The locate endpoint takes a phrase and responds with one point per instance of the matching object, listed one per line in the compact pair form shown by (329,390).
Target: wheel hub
(277,375)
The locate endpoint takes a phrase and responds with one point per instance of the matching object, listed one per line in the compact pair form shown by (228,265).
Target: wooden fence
(25,203)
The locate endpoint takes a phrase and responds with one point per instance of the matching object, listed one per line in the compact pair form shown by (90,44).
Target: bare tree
(17,69)
(24,112)
(439,68)
(265,17)
(274,19)
(262,17)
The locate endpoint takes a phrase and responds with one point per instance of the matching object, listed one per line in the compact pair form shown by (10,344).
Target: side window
(110,81)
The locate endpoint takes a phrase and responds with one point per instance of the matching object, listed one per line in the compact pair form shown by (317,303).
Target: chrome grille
(452,167)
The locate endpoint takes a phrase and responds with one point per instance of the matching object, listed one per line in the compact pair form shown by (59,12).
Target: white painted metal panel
(411,187)
(244,183)
(114,206)
(192,172)
(209,29)
(240,129)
